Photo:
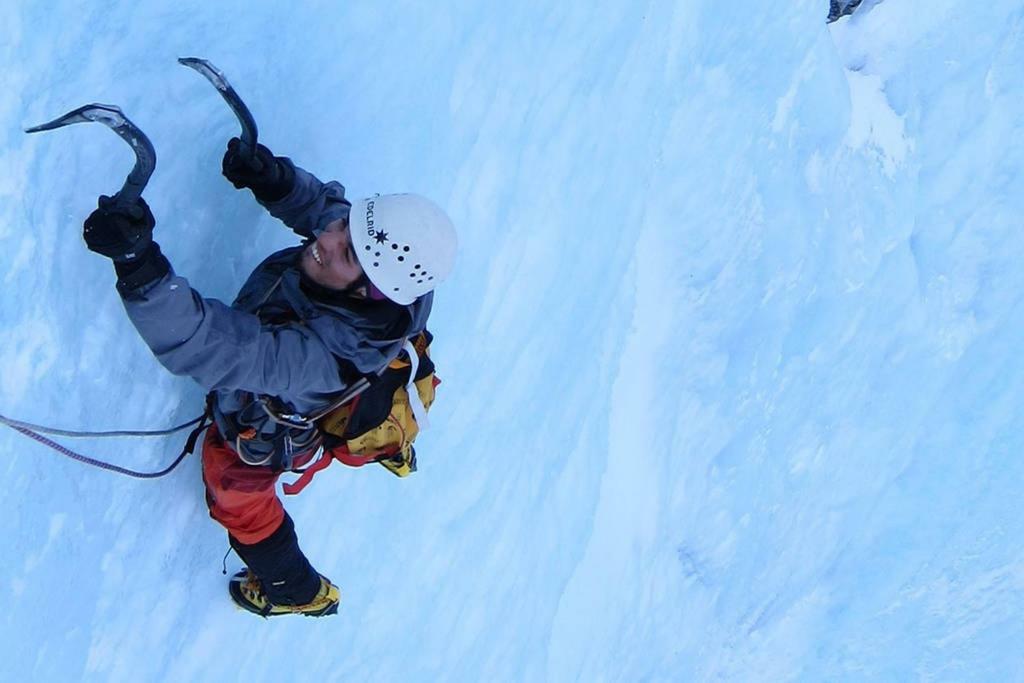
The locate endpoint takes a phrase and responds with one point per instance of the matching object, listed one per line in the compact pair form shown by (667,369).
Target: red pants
(243,498)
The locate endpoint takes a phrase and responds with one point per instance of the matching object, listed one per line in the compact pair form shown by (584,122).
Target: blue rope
(67,432)
(32,431)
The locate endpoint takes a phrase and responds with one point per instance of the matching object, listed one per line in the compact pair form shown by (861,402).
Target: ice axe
(112,117)
(216,77)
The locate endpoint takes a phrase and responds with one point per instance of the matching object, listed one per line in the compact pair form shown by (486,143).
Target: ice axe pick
(113,118)
(216,77)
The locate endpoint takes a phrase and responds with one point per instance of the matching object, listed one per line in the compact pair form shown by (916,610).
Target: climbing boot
(247,592)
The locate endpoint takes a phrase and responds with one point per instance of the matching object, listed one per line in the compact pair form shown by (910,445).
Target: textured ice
(731,360)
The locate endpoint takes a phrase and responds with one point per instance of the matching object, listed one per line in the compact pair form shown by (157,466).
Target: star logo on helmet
(381,237)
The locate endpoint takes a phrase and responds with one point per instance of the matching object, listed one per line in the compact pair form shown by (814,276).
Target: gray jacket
(273,341)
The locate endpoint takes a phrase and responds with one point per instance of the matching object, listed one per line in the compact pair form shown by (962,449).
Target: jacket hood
(367,333)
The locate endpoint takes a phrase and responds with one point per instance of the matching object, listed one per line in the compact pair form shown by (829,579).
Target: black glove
(126,236)
(120,233)
(270,178)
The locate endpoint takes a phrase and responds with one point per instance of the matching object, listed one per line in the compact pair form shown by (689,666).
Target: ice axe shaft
(216,77)
(113,118)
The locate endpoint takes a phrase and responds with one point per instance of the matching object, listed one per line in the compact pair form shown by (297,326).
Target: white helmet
(405,243)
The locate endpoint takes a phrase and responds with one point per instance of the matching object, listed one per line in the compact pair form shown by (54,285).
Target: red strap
(326,458)
(307,476)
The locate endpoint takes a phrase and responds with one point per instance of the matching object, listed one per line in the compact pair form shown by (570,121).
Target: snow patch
(874,127)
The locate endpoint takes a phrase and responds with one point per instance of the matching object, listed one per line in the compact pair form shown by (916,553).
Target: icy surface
(732,359)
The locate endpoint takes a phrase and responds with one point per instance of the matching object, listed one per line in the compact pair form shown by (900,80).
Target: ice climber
(347,308)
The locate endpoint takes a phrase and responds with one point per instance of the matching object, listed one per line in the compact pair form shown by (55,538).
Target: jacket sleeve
(223,348)
(311,204)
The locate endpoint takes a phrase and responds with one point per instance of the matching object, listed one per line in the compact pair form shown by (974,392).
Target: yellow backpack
(380,424)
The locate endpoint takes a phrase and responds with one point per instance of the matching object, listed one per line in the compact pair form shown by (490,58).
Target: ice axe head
(113,118)
(245,119)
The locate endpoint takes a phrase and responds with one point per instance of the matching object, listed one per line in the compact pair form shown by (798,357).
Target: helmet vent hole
(401,258)
(406,248)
